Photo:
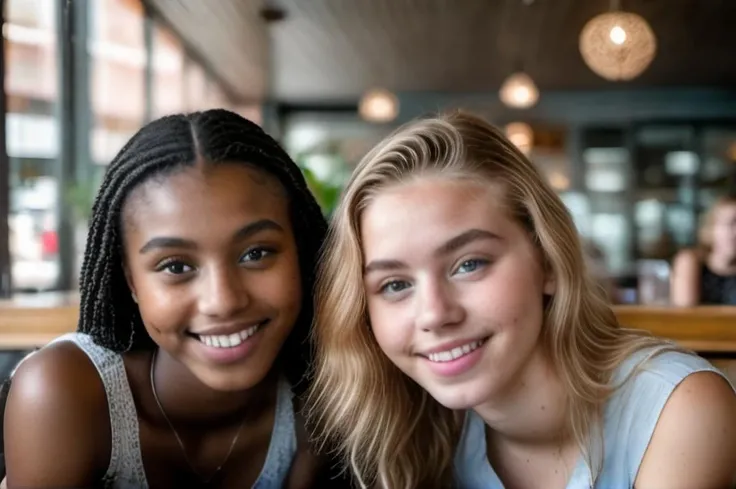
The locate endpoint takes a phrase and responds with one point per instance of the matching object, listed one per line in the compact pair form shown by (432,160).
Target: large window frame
(74,115)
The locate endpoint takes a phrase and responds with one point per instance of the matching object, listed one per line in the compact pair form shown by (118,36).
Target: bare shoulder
(694,442)
(685,280)
(687,260)
(57,429)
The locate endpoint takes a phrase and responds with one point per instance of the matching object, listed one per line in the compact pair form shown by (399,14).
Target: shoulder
(56,415)
(645,381)
(687,260)
(61,371)
(694,442)
(662,392)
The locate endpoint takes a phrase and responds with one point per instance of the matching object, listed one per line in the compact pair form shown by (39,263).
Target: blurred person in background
(707,274)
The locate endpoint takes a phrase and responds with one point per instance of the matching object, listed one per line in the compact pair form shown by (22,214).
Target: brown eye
(255,255)
(174,267)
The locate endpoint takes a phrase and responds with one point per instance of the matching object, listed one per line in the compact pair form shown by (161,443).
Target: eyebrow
(241,234)
(454,244)
(464,239)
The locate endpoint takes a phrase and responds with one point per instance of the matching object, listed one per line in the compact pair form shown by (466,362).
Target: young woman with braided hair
(191,351)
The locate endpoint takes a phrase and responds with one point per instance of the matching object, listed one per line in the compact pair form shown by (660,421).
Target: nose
(438,306)
(222,292)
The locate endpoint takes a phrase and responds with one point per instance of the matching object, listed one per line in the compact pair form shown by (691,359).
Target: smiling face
(454,287)
(211,258)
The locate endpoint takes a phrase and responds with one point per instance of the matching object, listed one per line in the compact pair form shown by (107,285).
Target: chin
(232,381)
(459,397)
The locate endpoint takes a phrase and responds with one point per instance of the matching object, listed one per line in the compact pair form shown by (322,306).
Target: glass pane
(667,167)
(168,73)
(118,60)
(31,79)
(719,163)
(607,181)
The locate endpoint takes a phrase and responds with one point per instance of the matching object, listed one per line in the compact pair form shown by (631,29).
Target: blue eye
(255,255)
(394,287)
(469,266)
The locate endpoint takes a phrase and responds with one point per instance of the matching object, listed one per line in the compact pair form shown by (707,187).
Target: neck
(187,400)
(533,410)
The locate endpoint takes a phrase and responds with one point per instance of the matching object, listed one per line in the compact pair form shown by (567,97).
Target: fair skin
(446,266)
(685,283)
(207,249)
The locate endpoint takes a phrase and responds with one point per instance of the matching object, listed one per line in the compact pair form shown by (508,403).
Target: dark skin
(232,262)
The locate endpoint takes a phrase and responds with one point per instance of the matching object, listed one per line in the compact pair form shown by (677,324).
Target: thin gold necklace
(204,480)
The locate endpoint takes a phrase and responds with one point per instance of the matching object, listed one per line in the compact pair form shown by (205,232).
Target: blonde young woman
(461,342)
(707,274)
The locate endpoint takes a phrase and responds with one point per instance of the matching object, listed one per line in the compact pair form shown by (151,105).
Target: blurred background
(628,107)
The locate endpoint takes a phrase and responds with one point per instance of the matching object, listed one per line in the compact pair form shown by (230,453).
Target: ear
(129,280)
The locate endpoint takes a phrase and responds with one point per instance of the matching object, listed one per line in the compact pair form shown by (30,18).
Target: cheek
(281,286)
(511,296)
(391,332)
(164,308)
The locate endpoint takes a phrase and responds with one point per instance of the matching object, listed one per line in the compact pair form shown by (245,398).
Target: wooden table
(703,329)
(30,321)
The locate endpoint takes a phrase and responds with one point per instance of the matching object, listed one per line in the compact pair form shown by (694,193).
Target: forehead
(206,194)
(425,213)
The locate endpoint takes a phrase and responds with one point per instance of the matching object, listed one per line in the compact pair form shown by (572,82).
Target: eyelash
(165,265)
(479,263)
(265,253)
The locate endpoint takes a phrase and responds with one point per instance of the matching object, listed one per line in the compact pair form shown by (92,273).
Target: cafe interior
(628,107)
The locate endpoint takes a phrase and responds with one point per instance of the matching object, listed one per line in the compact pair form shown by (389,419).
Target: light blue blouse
(629,420)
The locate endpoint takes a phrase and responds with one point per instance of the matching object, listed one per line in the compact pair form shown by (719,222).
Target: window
(118,56)
(32,130)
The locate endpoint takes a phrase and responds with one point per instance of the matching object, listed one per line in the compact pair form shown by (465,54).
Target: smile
(230,340)
(455,353)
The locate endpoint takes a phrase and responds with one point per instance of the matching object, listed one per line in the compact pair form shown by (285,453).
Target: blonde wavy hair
(389,430)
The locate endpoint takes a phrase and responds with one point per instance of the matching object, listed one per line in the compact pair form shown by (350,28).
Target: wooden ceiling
(332,50)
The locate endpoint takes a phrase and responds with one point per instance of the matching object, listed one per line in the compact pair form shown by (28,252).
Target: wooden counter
(31,321)
(703,329)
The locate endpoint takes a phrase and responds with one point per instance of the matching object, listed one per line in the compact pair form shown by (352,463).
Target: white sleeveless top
(630,417)
(126,463)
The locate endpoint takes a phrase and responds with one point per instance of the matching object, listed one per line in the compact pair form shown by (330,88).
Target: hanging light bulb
(379,105)
(521,135)
(618,45)
(519,91)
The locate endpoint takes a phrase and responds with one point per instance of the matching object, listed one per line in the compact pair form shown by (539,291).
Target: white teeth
(455,353)
(228,341)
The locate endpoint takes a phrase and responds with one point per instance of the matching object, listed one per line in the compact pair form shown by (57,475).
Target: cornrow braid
(107,310)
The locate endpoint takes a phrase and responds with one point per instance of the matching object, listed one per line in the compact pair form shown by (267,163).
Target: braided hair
(107,311)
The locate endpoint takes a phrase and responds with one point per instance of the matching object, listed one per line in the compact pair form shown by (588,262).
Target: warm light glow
(618,45)
(379,105)
(519,91)
(558,181)
(618,35)
(521,135)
